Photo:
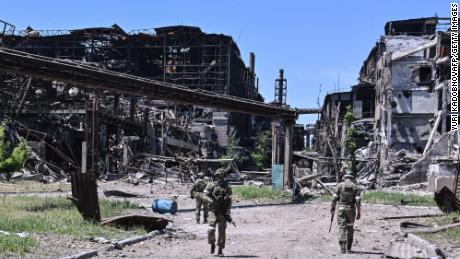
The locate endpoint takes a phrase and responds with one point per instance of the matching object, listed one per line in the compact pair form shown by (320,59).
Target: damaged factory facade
(125,125)
(148,103)
(401,106)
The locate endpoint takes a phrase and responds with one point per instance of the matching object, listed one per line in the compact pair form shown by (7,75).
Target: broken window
(422,75)
(425,74)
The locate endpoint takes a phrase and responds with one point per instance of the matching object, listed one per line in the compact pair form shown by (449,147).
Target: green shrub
(14,161)
(262,154)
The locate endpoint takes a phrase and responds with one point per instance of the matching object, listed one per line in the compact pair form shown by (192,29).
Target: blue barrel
(163,206)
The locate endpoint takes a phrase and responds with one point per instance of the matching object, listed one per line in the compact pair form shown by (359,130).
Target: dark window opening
(425,74)
(407,94)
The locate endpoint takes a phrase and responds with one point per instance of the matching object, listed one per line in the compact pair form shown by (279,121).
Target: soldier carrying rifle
(218,194)
(348,195)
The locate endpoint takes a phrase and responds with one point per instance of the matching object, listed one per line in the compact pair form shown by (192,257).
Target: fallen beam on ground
(431,230)
(413,216)
(122,243)
(118,193)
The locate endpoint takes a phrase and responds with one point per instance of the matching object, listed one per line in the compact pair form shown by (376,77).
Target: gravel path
(293,231)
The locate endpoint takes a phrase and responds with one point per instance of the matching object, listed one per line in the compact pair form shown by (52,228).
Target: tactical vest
(221,197)
(200,185)
(348,194)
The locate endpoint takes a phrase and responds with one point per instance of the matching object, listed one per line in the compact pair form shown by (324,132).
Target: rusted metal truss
(95,78)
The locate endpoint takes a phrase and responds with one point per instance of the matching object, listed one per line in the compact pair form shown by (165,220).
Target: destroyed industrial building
(402,109)
(400,104)
(57,113)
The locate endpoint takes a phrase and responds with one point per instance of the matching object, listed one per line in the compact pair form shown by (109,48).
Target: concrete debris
(20,234)
(397,129)
(100,240)
(254,183)
(412,247)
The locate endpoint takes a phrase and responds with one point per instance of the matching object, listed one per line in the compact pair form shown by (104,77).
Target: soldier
(219,198)
(347,194)
(197,193)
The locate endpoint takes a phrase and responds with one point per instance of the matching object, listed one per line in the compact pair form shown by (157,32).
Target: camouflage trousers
(199,205)
(346,218)
(219,220)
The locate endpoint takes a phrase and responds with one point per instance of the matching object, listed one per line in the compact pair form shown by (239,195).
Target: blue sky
(314,41)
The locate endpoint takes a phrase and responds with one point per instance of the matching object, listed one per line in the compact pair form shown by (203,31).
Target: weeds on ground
(392,198)
(53,215)
(14,244)
(450,236)
(254,192)
(397,198)
(31,186)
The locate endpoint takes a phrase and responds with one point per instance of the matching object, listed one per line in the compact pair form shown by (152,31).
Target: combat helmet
(348,174)
(220,173)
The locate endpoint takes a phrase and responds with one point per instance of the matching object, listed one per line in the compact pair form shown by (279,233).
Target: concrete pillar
(132,108)
(84,153)
(277,149)
(116,105)
(125,151)
(274,144)
(288,174)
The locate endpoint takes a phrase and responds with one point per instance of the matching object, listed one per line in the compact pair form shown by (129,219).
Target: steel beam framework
(90,77)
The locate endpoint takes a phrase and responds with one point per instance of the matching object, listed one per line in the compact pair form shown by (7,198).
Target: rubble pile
(400,105)
(74,127)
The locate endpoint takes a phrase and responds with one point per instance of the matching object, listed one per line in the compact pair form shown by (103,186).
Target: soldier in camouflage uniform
(347,194)
(197,193)
(219,198)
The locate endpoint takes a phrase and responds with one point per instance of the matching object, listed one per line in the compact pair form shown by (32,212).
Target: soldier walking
(219,198)
(197,193)
(347,194)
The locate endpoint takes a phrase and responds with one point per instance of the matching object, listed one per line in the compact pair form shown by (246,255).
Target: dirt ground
(291,231)
(283,231)
(263,231)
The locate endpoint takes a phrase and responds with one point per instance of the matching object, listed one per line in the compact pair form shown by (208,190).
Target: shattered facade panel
(406,75)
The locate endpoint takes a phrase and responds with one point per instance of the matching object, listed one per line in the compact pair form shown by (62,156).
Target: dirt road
(288,231)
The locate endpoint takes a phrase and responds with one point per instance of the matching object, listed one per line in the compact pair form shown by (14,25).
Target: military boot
(213,248)
(205,221)
(219,252)
(343,247)
(349,244)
